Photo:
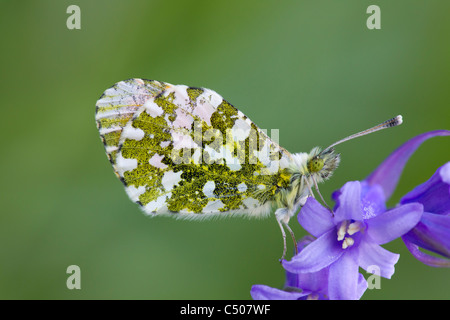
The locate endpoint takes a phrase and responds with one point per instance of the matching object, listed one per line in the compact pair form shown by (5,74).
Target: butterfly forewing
(187,152)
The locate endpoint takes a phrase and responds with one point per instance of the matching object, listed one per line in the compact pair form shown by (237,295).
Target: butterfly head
(321,163)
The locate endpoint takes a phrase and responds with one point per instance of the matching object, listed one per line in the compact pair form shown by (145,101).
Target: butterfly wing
(187,152)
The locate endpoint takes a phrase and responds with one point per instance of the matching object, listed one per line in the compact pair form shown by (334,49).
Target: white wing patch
(170,179)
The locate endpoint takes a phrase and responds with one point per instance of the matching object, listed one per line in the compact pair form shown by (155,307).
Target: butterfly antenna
(396,121)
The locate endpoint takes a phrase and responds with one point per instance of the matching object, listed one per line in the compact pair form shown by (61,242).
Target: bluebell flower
(432,233)
(303,286)
(351,236)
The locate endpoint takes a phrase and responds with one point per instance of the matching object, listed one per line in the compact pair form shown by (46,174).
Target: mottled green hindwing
(187,152)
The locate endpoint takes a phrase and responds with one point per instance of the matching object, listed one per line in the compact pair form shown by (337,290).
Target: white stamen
(342,230)
(354,227)
(312,296)
(348,242)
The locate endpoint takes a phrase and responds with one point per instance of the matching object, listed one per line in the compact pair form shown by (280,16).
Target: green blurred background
(311,69)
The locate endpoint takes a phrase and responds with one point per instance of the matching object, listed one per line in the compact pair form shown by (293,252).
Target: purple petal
(304,241)
(372,200)
(445,173)
(394,223)
(432,233)
(372,255)
(433,194)
(292,280)
(314,281)
(361,287)
(388,173)
(262,292)
(349,203)
(315,218)
(426,258)
(319,254)
(344,278)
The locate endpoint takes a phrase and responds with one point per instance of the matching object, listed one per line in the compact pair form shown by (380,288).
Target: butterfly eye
(315,164)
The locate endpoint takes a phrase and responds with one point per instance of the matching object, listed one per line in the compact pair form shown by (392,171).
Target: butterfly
(188,153)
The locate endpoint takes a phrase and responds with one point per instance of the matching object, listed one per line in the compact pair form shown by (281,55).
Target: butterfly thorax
(305,171)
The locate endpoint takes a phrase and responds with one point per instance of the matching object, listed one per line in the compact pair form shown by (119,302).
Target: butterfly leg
(320,195)
(284,239)
(317,190)
(292,236)
(284,224)
(305,181)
